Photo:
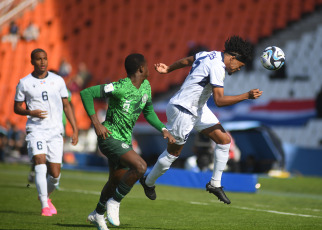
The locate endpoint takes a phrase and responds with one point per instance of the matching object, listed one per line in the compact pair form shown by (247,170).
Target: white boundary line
(276,212)
(262,210)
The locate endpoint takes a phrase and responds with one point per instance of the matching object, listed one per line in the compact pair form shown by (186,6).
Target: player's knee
(224,140)
(55,174)
(141,168)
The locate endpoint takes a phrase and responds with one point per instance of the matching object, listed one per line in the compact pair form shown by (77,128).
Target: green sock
(100,208)
(121,191)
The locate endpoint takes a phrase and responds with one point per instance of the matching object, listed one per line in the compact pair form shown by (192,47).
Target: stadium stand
(102,32)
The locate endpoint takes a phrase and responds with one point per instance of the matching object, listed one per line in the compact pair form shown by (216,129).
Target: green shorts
(113,149)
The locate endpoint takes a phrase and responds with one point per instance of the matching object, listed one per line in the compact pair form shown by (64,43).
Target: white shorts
(181,121)
(48,143)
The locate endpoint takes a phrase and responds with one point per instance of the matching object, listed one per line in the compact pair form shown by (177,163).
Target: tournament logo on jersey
(42,82)
(125,146)
(145,98)
(108,88)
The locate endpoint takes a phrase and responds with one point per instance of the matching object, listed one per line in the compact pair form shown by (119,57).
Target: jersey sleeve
(217,75)
(63,89)
(88,95)
(151,116)
(20,94)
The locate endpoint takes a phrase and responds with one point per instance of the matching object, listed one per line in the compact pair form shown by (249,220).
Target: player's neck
(40,75)
(136,80)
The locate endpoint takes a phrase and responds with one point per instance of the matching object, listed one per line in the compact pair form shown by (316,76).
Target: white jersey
(208,71)
(45,94)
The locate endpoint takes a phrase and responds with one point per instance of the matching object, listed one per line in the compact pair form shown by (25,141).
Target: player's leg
(41,182)
(115,176)
(37,151)
(209,125)
(97,216)
(136,169)
(180,123)
(54,160)
(163,163)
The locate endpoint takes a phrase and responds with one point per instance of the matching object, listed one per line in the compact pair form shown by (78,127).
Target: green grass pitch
(293,203)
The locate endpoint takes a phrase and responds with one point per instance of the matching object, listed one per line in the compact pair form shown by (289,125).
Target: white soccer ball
(273,58)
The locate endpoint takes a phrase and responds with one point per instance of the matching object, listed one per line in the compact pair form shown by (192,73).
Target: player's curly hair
(133,63)
(242,49)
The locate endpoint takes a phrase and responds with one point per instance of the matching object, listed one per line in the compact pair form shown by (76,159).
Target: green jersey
(126,103)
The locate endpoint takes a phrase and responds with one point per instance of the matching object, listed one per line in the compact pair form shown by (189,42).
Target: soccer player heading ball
(188,109)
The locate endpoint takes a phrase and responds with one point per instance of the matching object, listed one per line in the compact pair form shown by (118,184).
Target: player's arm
(88,96)
(21,110)
(223,100)
(153,120)
(163,68)
(71,118)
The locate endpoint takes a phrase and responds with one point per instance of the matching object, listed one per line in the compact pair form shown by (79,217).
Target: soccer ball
(273,58)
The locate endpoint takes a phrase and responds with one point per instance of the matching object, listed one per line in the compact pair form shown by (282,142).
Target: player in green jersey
(127,99)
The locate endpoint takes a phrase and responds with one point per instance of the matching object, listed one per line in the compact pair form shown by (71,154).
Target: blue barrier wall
(303,160)
(233,182)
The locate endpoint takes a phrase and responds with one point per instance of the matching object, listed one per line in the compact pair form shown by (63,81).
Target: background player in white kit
(188,109)
(45,95)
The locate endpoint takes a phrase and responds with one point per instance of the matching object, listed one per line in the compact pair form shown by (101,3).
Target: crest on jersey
(125,146)
(108,88)
(145,98)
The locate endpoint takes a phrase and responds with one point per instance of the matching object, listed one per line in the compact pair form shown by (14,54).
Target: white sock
(221,157)
(41,184)
(161,166)
(52,183)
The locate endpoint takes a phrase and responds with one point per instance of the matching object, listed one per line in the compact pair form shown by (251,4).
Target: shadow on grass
(17,212)
(125,226)
(75,225)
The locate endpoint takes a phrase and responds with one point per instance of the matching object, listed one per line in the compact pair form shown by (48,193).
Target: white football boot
(98,220)
(113,209)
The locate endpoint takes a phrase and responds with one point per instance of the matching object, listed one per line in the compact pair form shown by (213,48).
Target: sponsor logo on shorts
(125,146)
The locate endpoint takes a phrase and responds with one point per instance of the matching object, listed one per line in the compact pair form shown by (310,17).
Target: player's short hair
(33,53)
(241,49)
(133,62)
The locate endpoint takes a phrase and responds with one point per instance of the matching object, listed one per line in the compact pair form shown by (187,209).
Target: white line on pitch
(262,210)
(276,212)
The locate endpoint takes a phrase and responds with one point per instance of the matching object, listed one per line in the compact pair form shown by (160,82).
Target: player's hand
(101,131)
(161,68)
(75,138)
(39,113)
(166,135)
(254,94)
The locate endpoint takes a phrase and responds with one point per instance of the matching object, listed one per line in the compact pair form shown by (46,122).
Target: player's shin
(41,184)
(163,163)
(220,160)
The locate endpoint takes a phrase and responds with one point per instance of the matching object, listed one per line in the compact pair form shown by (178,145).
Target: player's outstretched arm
(72,120)
(221,100)
(153,120)
(163,68)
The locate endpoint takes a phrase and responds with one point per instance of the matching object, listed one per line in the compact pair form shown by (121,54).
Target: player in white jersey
(188,109)
(45,96)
